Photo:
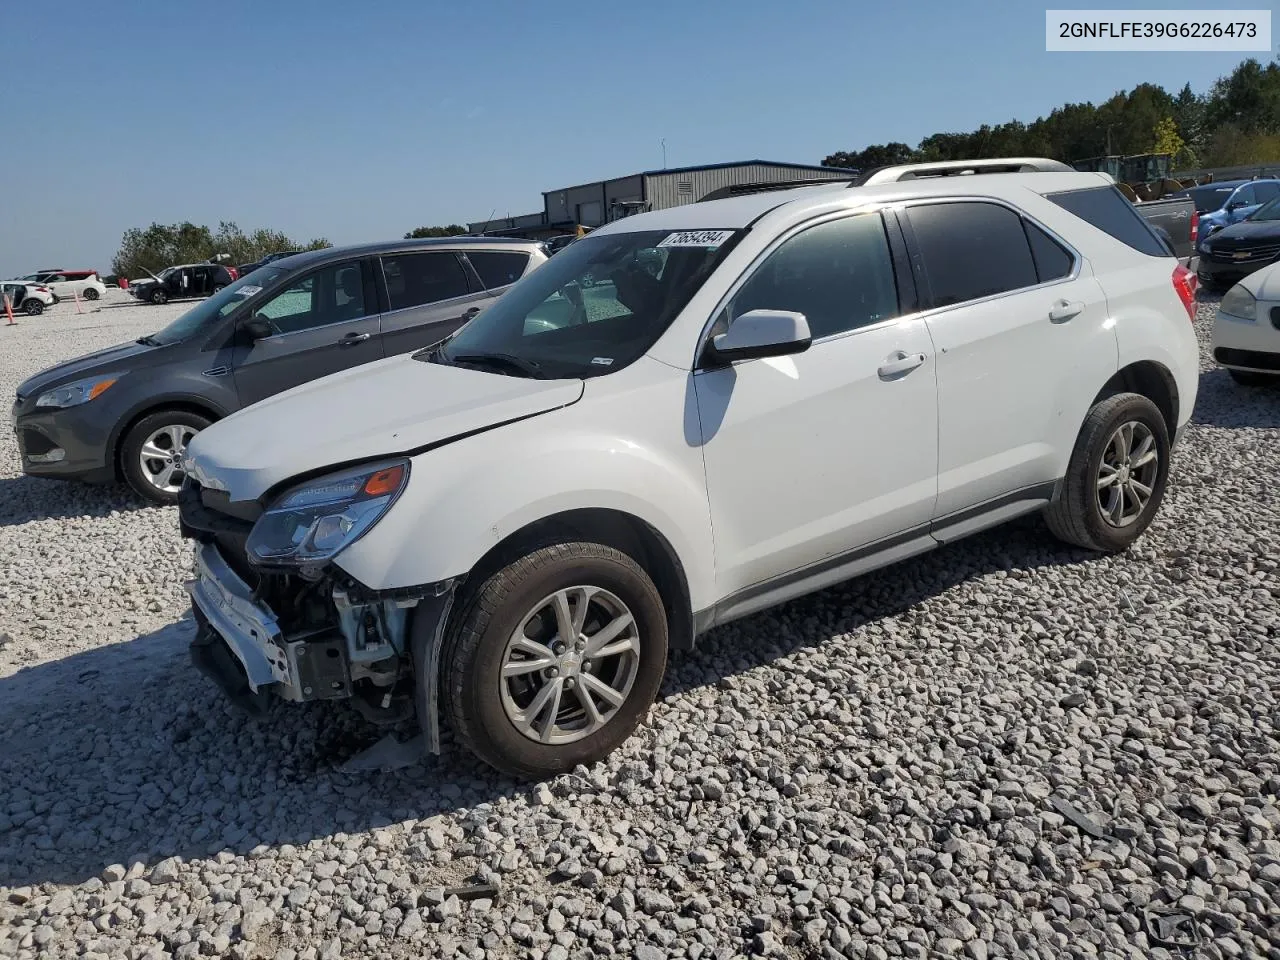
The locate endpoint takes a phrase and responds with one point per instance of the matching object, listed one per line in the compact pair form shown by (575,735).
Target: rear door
(323,322)
(429,294)
(1023,344)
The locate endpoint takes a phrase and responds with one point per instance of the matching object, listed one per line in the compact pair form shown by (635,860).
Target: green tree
(159,246)
(423,233)
(876,155)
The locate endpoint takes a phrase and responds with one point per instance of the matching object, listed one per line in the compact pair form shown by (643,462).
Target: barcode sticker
(697,238)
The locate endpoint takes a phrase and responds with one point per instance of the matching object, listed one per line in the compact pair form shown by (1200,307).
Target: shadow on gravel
(1222,402)
(127,752)
(23,499)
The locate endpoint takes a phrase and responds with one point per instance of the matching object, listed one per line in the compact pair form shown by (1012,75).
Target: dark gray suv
(129,411)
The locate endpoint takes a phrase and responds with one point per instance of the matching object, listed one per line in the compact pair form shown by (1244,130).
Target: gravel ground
(1005,748)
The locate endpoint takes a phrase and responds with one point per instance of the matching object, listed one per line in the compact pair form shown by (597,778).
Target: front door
(324,322)
(813,456)
(429,296)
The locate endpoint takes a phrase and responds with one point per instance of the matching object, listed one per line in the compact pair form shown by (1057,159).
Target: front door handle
(351,339)
(898,363)
(1065,310)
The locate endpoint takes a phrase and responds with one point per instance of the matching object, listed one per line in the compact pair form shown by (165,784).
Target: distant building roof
(713,166)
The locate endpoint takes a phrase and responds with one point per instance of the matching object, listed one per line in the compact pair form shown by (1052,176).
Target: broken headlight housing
(312,522)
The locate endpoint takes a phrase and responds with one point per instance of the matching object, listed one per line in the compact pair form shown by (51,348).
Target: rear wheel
(90,293)
(33,307)
(1251,378)
(554,659)
(158,297)
(152,451)
(1116,476)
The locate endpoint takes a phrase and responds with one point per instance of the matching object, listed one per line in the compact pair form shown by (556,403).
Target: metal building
(592,204)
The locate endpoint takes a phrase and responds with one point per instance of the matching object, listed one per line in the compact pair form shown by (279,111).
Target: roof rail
(738,189)
(953,168)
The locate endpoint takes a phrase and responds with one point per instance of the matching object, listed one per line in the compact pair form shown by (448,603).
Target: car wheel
(218,288)
(1251,378)
(1116,476)
(33,307)
(1207,285)
(554,659)
(158,297)
(90,293)
(56,298)
(151,454)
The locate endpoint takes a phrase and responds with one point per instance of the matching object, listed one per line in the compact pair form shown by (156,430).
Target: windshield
(204,314)
(1268,211)
(595,307)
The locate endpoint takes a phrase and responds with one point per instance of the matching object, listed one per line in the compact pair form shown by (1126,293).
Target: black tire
(159,298)
(1251,378)
(471,682)
(56,298)
(1209,286)
(131,449)
(1076,516)
(218,288)
(90,293)
(33,307)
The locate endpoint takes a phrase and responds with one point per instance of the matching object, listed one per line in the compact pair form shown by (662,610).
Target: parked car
(247,268)
(128,411)
(518,524)
(65,284)
(1234,252)
(1175,221)
(1222,204)
(1246,331)
(30,298)
(182,282)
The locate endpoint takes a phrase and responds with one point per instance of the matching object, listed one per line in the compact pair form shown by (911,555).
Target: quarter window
(330,295)
(971,250)
(1107,209)
(496,268)
(414,279)
(838,274)
(1053,261)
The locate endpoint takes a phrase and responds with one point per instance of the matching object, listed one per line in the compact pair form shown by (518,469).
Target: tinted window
(331,295)
(971,250)
(498,269)
(1244,196)
(1052,261)
(1209,198)
(417,278)
(1107,209)
(1265,190)
(838,274)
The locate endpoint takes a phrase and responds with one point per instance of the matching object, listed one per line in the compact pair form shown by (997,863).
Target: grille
(1270,251)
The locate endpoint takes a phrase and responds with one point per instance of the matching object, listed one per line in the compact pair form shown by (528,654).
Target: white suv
(682,418)
(65,284)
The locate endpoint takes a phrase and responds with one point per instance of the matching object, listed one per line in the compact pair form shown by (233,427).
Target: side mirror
(759,333)
(1236,204)
(257,328)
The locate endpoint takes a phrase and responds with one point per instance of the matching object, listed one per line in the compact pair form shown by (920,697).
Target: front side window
(971,250)
(1244,197)
(332,294)
(205,315)
(1265,190)
(415,279)
(593,308)
(838,274)
(498,268)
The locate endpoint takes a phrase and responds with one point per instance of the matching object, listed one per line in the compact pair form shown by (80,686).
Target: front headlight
(314,521)
(1240,304)
(74,394)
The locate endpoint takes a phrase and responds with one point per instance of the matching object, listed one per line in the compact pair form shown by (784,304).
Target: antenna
(485,228)
(663,141)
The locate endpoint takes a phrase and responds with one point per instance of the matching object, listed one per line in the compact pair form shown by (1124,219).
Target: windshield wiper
(508,360)
(149,341)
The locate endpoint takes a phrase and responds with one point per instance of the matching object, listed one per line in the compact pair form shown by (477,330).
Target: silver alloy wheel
(1127,474)
(570,665)
(161,456)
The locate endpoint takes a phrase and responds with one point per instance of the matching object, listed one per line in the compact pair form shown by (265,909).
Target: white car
(30,298)
(65,284)
(1246,332)
(757,397)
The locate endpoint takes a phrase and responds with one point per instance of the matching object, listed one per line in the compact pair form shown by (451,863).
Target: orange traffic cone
(78,307)
(8,308)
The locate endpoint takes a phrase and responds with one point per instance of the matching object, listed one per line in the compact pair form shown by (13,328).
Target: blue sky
(358,121)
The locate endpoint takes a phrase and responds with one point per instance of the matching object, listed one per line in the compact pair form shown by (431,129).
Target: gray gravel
(878,771)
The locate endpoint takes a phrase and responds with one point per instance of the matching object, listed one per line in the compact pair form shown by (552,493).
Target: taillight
(1195,227)
(1184,284)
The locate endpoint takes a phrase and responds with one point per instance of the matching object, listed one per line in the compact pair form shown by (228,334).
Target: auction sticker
(697,238)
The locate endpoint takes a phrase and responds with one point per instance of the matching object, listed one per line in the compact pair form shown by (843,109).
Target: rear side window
(1107,209)
(497,269)
(1053,261)
(415,279)
(971,250)
(1266,190)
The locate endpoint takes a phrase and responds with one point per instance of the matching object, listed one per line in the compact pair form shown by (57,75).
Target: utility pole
(663,141)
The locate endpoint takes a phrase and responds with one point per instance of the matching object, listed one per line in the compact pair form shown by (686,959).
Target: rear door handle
(898,363)
(351,339)
(1065,310)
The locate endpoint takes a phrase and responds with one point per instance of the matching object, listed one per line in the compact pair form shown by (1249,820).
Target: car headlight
(1240,304)
(314,521)
(74,394)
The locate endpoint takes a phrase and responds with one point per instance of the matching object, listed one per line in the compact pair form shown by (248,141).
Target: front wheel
(33,307)
(152,451)
(158,298)
(90,293)
(217,289)
(554,659)
(1116,476)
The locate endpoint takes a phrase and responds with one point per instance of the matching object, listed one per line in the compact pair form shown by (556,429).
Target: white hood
(1265,284)
(384,408)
